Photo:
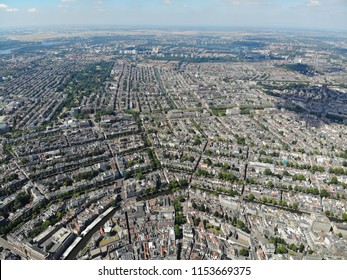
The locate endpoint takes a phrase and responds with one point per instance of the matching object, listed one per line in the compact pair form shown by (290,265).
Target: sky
(306,14)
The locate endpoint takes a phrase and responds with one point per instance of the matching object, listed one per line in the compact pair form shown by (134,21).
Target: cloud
(63,6)
(65,1)
(245,2)
(11,10)
(313,3)
(32,10)
(167,2)
(8,9)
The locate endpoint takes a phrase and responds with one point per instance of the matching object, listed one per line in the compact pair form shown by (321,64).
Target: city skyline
(305,14)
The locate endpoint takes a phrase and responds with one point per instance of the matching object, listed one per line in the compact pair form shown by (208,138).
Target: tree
(283,203)
(329,213)
(197,141)
(225,166)
(315,191)
(240,224)
(183,182)
(299,177)
(281,249)
(24,161)
(139,176)
(344,216)
(153,190)
(178,232)
(180,219)
(295,206)
(324,193)
(250,197)
(244,252)
(59,215)
(196,221)
(277,240)
(268,172)
(293,247)
(240,140)
(334,180)
(21,200)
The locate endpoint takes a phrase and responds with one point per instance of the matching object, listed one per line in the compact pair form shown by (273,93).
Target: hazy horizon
(296,14)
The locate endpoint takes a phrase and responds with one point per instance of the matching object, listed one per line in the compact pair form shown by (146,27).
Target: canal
(88,236)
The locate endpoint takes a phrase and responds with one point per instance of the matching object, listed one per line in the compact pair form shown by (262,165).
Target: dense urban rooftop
(182,145)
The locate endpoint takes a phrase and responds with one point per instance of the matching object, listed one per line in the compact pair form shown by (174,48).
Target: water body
(41,44)
(7,51)
(52,43)
(80,246)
